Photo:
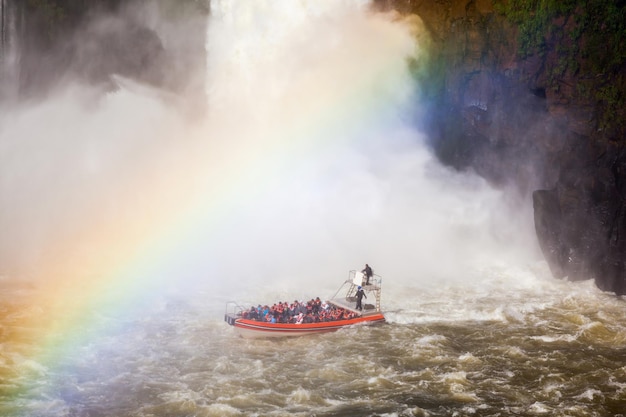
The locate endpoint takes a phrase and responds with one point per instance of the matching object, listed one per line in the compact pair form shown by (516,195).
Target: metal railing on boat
(233,312)
(356,279)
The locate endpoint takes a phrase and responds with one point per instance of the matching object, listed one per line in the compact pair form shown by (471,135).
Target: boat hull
(252,329)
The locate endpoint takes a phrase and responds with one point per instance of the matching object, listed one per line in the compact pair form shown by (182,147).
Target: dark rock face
(523,121)
(548,221)
(580,223)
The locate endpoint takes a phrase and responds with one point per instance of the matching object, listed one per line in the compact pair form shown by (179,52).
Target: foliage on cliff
(587,39)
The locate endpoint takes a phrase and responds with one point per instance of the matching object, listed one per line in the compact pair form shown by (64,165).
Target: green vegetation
(588,38)
(535,19)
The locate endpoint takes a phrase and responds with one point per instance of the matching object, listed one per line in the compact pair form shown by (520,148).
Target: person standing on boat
(367,271)
(359,296)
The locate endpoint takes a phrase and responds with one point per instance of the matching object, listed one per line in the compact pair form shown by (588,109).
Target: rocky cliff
(532,94)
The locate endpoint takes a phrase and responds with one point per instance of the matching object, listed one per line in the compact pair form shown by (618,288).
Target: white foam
(590,395)
(539,408)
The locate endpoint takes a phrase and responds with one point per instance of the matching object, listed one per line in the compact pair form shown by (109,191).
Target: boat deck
(349,302)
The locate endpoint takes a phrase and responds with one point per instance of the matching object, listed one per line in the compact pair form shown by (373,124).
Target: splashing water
(135,225)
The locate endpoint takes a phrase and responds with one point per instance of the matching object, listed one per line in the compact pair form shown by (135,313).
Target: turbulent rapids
(508,342)
(144,225)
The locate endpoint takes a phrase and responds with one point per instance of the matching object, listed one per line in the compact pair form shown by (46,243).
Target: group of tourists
(298,312)
(313,311)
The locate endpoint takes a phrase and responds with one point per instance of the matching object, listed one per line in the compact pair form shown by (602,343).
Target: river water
(139,230)
(504,343)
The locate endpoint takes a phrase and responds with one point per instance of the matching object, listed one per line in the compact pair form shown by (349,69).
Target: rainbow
(169,214)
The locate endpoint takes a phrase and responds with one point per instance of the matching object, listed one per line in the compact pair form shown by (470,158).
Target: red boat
(371,313)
